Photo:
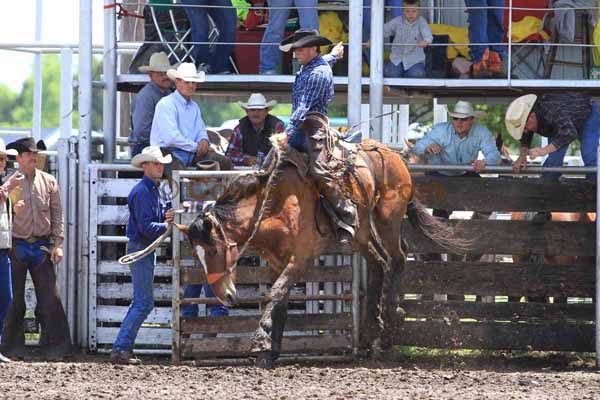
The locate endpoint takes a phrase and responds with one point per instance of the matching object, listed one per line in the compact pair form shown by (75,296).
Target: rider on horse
(312,92)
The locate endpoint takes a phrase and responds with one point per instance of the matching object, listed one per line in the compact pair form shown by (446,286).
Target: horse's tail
(437,230)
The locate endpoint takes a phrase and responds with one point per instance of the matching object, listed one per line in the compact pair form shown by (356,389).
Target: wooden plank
(496,336)
(249,324)
(159,315)
(146,336)
(114,291)
(256,275)
(114,268)
(505,311)
(516,237)
(107,187)
(505,194)
(220,346)
(112,215)
(498,279)
(162,291)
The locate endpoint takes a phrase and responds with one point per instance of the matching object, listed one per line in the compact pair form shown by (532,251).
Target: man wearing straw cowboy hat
(178,128)
(251,136)
(149,218)
(562,118)
(144,103)
(460,141)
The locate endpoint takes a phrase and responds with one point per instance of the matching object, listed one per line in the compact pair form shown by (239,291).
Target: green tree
(7,102)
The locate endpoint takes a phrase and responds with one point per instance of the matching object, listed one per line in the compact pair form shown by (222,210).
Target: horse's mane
(246,186)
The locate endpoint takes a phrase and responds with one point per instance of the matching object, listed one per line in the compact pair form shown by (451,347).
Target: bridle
(231,253)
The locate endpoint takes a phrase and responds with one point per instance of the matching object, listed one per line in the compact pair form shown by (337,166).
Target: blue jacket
(146,213)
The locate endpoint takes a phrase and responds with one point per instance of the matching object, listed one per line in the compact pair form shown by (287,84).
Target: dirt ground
(85,377)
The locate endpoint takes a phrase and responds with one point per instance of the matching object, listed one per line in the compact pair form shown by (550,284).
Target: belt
(33,239)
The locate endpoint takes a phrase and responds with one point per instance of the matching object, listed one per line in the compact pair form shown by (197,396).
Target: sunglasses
(461,119)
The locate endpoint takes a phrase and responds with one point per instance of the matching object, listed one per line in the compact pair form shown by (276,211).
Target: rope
(138,255)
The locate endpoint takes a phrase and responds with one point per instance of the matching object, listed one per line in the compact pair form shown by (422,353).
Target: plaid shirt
(560,116)
(235,148)
(312,91)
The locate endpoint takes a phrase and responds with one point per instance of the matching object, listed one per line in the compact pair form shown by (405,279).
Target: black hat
(26,145)
(303,38)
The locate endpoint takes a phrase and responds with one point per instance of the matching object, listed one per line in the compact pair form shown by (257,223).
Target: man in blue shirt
(459,142)
(149,217)
(144,103)
(178,127)
(311,94)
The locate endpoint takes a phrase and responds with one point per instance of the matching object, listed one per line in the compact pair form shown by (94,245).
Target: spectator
(178,128)
(37,233)
(224,16)
(561,117)
(149,217)
(486,26)
(411,35)
(458,143)
(396,12)
(5,237)
(144,103)
(279,12)
(251,135)
(191,310)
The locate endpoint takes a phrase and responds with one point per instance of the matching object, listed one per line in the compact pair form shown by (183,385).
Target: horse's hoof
(265,361)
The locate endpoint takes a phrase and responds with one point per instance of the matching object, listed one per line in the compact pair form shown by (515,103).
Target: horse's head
(217,255)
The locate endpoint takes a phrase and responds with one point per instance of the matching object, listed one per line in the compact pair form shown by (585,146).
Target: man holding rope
(149,218)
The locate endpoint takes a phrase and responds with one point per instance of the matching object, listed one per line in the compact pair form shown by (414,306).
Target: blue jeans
(397,71)
(485,26)
(142,277)
(191,310)
(269,49)
(396,12)
(6,293)
(588,138)
(226,21)
(137,148)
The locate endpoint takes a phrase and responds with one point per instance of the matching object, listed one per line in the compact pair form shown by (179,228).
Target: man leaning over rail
(149,218)
(458,143)
(38,233)
(178,127)
(561,117)
(144,103)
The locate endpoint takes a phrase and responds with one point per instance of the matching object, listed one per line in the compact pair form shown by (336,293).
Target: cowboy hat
(464,109)
(187,72)
(5,151)
(303,38)
(517,114)
(257,101)
(150,154)
(159,62)
(27,145)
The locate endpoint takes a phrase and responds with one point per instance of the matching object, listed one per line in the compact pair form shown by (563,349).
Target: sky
(60,24)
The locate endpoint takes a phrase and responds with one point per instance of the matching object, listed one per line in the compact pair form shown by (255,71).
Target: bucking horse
(279,212)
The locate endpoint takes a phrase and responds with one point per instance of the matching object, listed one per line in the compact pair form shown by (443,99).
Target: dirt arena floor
(464,378)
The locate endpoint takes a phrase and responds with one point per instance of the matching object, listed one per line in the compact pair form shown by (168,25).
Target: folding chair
(528,54)
(172,28)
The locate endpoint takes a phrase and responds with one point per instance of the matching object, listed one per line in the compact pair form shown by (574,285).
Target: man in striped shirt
(312,92)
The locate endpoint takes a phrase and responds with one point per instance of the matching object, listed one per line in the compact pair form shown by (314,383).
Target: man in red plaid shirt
(251,135)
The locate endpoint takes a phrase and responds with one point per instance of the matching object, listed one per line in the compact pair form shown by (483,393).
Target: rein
(232,253)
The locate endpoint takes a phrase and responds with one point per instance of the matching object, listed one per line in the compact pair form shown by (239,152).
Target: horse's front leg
(266,343)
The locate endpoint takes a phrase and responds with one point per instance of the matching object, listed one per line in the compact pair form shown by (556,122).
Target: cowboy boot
(345,210)
(495,63)
(480,70)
